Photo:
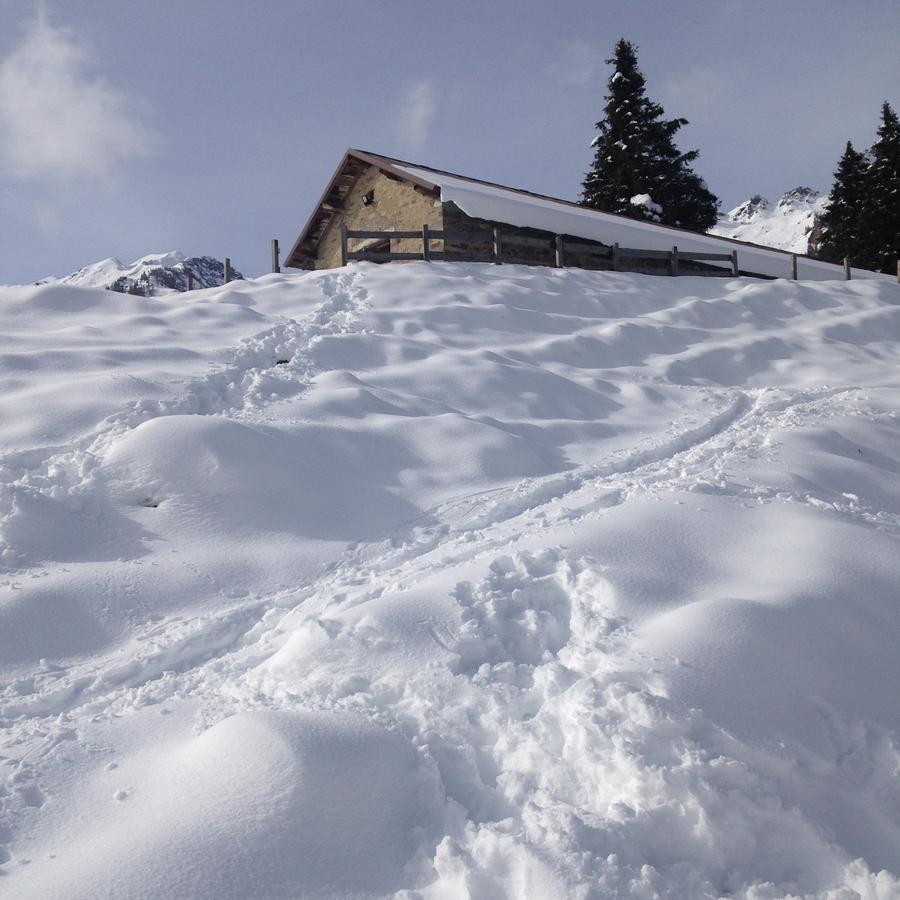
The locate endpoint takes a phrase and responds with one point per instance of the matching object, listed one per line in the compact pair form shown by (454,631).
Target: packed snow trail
(460,581)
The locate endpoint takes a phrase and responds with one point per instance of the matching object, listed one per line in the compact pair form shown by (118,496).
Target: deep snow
(450,581)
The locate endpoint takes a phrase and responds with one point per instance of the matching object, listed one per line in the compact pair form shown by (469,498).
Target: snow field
(453,581)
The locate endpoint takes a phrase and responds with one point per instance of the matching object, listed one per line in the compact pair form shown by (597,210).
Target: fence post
(227,272)
(276,264)
(558,243)
(793,267)
(498,247)
(343,243)
(674,260)
(615,256)
(190,277)
(734,264)
(846,268)
(426,244)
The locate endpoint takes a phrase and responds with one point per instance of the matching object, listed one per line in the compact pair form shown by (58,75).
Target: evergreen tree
(840,221)
(635,156)
(879,219)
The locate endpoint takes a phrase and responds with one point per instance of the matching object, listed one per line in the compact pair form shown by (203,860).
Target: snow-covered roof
(482,200)
(499,203)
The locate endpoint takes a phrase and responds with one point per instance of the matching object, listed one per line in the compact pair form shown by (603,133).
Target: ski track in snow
(568,718)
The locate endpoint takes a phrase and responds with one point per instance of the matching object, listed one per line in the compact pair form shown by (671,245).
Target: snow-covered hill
(787,226)
(154,274)
(446,581)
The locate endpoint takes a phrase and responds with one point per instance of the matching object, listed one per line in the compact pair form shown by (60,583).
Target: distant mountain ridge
(155,273)
(790,225)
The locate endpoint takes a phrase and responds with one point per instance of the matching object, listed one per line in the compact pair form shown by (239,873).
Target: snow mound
(206,475)
(306,804)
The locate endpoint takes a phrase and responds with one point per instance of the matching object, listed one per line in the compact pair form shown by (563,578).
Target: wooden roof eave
(297,251)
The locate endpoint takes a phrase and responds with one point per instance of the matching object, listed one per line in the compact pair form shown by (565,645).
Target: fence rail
(559,248)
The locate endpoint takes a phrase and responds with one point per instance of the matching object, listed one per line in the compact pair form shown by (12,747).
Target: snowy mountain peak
(152,274)
(788,226)
(749,209)
(166,260)
(799,196)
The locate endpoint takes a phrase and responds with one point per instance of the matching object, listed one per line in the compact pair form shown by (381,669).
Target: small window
(368,199)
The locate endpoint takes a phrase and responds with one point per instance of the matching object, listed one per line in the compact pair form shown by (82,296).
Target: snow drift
(446,580)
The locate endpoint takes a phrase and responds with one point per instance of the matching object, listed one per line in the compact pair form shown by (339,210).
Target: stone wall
(396,206)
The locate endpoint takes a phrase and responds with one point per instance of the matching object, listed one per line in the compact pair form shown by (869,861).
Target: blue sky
(211,127)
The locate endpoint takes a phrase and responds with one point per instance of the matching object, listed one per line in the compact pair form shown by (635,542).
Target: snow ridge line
(270,366)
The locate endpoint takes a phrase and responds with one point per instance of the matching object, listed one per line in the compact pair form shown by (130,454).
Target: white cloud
(576,65)
(416,113)
(57,119)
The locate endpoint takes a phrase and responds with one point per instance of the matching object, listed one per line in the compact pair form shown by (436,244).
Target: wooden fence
(615,258)
(560,248)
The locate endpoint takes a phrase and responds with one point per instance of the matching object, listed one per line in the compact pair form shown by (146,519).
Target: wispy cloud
(416,113)
(61,121)
(576,65)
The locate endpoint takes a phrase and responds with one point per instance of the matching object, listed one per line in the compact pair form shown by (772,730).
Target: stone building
(469,219)
(367,192)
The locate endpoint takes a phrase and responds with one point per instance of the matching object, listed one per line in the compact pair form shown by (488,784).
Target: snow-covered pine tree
(879,218)
(638,171)
(840,221)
